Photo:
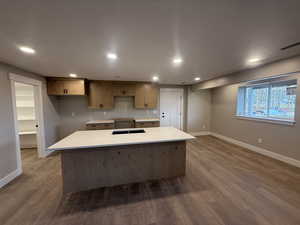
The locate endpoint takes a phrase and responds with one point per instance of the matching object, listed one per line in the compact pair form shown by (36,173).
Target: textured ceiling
(213,37)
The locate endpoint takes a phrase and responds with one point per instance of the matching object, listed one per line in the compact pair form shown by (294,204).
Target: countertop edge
(146,120)
(100,122)
(119,144)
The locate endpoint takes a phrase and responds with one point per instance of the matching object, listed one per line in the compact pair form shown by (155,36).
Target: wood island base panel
(90,168)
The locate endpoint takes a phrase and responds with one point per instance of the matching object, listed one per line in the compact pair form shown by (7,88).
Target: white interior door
(171,107)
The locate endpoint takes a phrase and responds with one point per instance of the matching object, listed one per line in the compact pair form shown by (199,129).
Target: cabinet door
(151,96)
(146,124)
(65,86)
(128,90)
(123,90)
(55,87)
(139,99)
(101,126)
(100,95)
(74,87)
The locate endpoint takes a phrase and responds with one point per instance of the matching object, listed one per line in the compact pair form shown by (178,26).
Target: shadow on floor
(121,196)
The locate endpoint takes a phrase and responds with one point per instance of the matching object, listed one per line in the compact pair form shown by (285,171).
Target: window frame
(263,119)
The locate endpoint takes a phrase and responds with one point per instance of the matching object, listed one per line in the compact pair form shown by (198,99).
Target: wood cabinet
(123,89)
(146,95)
(65,86)
(100,126)
(121,123)
(147,124)
(100,95)
(75,87)
(55,87)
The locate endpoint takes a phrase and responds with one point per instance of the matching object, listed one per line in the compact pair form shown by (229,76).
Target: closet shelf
(25,106)
(27,132)
(24,95)
(26,119)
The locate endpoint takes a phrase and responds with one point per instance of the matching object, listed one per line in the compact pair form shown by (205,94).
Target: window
(273,101)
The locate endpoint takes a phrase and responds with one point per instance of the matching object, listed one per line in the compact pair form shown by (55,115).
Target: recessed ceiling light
(177,60)
(197,78)
(112,56)
(254,60)
(155,78)
(27,50)
(73,75)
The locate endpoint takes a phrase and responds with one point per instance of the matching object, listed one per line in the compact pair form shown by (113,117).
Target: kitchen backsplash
(74,112)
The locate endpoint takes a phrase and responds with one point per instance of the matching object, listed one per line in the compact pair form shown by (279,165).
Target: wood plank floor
(224,185)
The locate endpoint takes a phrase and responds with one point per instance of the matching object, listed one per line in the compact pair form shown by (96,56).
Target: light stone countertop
(147,120)
(100,121)
(102,138)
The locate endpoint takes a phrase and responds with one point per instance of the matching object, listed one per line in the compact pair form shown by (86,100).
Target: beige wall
(281,139)
(8,161)
(198,111)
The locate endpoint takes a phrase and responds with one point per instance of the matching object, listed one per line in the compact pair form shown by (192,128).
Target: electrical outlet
(260,140)
(73,114)
(203,126)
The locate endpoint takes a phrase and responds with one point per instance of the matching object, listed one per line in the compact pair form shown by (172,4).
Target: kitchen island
(98,158)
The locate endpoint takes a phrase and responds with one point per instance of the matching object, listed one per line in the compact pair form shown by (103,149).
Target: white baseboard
(259,150)
(200,133)
(10,177)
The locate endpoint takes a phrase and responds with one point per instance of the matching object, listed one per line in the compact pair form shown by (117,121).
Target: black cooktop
(139,131)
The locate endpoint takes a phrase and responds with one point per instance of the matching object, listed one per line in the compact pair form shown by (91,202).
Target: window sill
(267,120)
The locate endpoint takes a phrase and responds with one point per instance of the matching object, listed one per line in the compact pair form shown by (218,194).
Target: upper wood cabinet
(123,89)
(65,86)
(55,87)
(101,95)
(146,95)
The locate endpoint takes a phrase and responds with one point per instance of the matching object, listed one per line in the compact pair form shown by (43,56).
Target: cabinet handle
(101,105)
(146,105)
(123,92)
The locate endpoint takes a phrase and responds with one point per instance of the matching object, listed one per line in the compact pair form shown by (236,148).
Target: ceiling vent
(290,46)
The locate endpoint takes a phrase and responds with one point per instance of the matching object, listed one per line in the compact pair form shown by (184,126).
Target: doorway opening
(171,107)
(28,117)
